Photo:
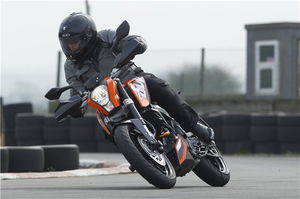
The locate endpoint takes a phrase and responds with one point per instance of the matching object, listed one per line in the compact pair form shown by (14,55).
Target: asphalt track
(251,177)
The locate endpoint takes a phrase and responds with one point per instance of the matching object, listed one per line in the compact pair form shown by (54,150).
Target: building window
(267,67)
(266,53)
(265,78)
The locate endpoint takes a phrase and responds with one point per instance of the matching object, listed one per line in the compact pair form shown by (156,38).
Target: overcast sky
(174,31)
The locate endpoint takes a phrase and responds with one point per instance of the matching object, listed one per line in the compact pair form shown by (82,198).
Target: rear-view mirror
(55,93)
(122,31)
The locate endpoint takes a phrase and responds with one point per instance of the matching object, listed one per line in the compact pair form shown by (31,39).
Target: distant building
(273,61)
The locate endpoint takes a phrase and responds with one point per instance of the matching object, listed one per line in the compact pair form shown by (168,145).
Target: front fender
(142,129)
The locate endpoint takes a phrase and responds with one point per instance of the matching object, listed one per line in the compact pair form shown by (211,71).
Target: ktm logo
(140,89)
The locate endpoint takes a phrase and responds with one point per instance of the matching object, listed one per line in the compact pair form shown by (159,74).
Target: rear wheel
(213,170)
(153,166)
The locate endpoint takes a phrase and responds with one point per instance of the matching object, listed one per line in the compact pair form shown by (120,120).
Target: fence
(182,69)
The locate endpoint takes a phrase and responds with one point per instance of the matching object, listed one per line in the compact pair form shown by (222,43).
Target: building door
(299,68)
(267,67)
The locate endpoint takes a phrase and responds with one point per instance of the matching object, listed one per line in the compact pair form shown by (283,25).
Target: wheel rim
(219,163)
(213,155)
(160,161)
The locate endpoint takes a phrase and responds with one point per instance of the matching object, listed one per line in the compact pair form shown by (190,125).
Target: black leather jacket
(101,60)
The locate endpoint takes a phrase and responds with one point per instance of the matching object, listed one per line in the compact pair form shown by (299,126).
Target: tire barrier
(26,159)
(61,157)
(107,147)
(263,133)
(238,147)
(235,133)
(29,129)
(39,158)
(55,132)
(4,159)
(100,134)
(288,133)
(289,148)
(216,122)
(82,133)
(9,113)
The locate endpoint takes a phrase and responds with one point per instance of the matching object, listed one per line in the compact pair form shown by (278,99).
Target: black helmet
(77,36)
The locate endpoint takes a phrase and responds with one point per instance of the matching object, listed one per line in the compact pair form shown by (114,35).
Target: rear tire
(135,155)
(210,173)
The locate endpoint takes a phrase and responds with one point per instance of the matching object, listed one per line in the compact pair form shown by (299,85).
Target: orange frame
(104,126)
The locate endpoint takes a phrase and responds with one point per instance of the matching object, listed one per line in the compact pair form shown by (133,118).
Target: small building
(273,61)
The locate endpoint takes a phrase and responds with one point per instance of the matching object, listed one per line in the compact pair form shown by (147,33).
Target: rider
(89,52)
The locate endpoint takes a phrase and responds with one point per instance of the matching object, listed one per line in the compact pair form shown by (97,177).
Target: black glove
(80,111)
(76,113)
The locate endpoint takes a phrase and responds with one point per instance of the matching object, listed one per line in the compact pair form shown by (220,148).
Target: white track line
(123,168)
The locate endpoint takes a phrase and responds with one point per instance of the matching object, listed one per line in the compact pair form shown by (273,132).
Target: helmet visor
(71,44)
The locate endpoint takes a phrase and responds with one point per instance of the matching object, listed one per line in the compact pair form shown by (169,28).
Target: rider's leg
(168,99)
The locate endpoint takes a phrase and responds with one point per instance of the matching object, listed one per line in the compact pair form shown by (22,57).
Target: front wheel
(153,166)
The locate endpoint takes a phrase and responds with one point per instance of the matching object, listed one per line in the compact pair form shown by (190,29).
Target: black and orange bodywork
(179,154)
(138,89)
(113,97)
(181,158)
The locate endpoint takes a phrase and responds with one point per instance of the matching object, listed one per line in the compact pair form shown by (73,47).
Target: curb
(92,164)
(119,169)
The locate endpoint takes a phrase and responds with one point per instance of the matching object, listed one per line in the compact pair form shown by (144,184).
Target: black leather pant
(168,99)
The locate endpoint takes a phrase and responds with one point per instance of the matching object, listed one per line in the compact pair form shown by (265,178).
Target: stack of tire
(82,133)
(215,122)
(235,133)
(9,113)
(29,129)
(25,159)
(263,133)
(39,158)
(105,143)
(4,159)
(61,157)
(288,130)
(55,132)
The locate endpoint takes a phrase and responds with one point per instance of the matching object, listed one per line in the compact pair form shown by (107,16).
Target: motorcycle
(153,143)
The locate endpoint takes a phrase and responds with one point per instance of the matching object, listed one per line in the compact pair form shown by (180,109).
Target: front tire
(130,145)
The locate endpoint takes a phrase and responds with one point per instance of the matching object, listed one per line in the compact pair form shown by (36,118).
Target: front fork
(137,120)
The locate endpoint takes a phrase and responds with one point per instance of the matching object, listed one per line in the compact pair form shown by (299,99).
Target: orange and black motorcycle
(150,139)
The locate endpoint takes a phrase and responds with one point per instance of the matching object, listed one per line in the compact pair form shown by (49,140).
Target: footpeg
(164,134)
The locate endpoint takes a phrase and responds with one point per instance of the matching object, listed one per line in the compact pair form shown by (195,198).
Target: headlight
(100,95)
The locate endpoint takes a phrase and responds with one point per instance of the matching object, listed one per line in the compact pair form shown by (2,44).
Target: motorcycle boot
(204,133)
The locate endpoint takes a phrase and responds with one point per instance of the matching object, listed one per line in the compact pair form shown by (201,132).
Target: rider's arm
(133,39)
(71,78)
(108,36)
(79,88)
(127,49)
